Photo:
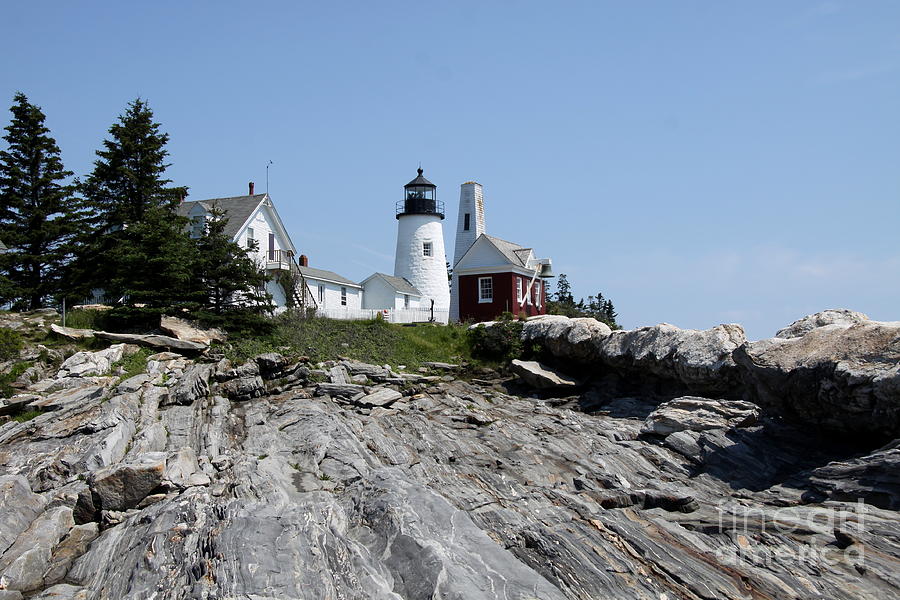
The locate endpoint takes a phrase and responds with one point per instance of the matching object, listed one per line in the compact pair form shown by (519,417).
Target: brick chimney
(251,188)
(304,261)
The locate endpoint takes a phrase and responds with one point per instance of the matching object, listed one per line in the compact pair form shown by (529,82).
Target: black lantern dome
(420,198)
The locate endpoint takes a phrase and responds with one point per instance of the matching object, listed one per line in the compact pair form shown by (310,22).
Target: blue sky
(697,162)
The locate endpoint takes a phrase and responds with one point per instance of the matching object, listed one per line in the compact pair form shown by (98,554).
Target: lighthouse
(420,257)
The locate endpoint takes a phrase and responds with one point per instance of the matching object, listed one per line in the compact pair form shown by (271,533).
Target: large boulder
(71,332)
(839,316)
(690,413)
(162,342)
(541,376)
(184,330)
(841,378)
(701,360)
(567,339)
(124,485)
(82,364)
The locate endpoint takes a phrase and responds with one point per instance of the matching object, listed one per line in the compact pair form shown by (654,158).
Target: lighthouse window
(466,223)
(427,249)
(485,289)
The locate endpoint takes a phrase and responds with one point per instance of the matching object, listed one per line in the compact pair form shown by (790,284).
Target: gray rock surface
(699,414)
(843,379)
(185,330)
(541,376)
(71,332)
(462,491)
(82,364)
(567,339)
(700,360)
(839,316)
(153,341)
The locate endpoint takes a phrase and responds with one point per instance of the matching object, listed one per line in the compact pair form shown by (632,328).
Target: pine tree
(230,279)
(134,246)
(35,209)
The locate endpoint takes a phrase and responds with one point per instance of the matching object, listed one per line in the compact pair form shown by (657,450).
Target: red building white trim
(496,276)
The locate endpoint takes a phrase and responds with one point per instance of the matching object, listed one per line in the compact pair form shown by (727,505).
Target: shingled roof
(237,209)
(514,253)
(324,275)
(399,284)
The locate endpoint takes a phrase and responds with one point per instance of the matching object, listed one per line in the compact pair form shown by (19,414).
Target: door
(271,246)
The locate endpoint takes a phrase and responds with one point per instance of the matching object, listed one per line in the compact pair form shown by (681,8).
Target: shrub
(10,343)
(502,341)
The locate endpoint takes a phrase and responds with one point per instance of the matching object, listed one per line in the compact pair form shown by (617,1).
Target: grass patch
(10,343)
(373,341)
(86,319)
(27,416)
(8,378)
(134,364)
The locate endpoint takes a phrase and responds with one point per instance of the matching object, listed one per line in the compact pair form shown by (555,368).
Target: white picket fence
(410,315)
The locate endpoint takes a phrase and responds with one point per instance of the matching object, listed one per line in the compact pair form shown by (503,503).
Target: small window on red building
(485,289)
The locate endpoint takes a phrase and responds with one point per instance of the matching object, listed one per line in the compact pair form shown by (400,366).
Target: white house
(399,299)
(334,296)
(251,218)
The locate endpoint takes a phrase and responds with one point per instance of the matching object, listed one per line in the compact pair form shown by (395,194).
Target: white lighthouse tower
(469,225)
(420,256)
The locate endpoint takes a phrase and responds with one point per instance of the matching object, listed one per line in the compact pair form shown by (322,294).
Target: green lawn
(371,341)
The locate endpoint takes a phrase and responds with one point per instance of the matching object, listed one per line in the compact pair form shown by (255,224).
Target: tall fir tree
(36,220)
(134,246)
(230,280)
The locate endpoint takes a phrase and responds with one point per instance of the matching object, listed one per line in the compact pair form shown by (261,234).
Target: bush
(500,342)
(10,343)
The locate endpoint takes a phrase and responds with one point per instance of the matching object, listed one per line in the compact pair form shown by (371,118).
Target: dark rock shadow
(773,453)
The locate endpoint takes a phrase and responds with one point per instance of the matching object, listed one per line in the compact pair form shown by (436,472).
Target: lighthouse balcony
(420,206)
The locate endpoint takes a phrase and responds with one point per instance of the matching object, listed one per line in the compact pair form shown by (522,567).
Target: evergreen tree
(35,209)
(598,307)
(134,246)
(230,279)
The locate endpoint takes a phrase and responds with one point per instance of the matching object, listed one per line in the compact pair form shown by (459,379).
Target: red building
(496,276)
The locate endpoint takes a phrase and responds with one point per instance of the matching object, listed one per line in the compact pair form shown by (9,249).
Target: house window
(537,293)
(427,249)
(321,294)
(520,289)
(466,222)
(343,296)
(485,289)
(198,224)
(405,300)
(250,239)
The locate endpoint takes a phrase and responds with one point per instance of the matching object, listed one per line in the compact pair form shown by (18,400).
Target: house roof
(237,209)
(399,284)
(324,275)
(514,253)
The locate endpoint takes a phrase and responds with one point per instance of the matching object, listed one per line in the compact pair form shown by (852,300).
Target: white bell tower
(469,225)
(420,256)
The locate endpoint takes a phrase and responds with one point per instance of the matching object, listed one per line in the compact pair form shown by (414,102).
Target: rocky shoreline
(279,478)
